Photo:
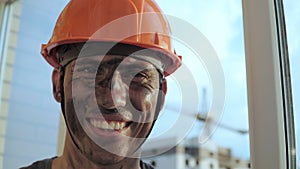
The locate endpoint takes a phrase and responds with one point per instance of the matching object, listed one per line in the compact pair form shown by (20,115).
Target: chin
(112,154)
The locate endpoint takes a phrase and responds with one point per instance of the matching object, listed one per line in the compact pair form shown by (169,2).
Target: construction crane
(205,118)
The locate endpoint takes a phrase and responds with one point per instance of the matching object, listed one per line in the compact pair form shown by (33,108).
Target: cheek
(75,108)
(71,117)
(82,87)
(79,94)
(143,101)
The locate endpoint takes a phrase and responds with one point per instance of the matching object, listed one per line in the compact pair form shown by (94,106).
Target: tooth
(122,125)
(104,125)
(112,125)
(92,122)
(107,125)
(117,126)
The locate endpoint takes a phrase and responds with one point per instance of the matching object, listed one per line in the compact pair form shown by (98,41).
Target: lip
(120,114)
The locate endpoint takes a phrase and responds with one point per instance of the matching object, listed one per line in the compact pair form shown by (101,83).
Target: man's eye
(141,75)
(135,76)
(102,70)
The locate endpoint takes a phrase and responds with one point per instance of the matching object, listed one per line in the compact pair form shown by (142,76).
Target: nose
(118,90)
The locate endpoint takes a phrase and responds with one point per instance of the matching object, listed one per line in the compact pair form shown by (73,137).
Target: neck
(73,158)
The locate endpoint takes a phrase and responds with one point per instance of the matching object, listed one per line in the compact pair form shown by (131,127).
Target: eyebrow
(112,61)
(137,66)
(94,62)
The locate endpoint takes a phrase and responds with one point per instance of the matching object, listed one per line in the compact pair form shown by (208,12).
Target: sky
(292,24)
(220,24)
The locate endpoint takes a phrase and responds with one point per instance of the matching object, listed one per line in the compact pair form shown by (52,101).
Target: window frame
(5,19)
(269,91)
(6,9)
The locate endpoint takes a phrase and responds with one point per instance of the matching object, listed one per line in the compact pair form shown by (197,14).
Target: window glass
(221,24)
(291,9)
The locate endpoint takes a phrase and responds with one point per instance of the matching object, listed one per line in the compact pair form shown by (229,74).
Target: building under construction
(190,154)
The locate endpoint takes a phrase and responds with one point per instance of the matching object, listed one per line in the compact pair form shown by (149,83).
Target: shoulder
(42,164)
(145,165)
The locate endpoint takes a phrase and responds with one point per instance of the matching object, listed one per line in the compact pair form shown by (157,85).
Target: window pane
(221,24)
(291,9)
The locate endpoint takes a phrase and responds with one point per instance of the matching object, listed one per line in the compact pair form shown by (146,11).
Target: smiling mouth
(109,125)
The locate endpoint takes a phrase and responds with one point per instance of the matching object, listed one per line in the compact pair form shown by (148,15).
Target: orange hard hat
(134,22)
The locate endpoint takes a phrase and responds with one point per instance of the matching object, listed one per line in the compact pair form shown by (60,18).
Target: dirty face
(110,105)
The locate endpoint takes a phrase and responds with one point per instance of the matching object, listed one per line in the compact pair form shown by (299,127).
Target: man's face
(110,105)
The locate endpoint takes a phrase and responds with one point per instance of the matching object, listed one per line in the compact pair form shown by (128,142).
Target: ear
(56,85)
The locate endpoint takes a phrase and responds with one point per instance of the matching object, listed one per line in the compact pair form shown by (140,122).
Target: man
(110,59)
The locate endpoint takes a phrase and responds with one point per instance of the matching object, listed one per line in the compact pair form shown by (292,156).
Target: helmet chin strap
(62,104)
(157,109)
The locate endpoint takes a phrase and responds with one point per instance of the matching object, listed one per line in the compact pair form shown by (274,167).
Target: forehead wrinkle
(137,63)
(137,66)
(86,61)
(120,61)
(105,59)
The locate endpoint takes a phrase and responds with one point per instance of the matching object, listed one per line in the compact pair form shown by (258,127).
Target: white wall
(33,115)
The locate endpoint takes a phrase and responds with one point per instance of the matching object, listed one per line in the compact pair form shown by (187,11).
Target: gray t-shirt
(47,164)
